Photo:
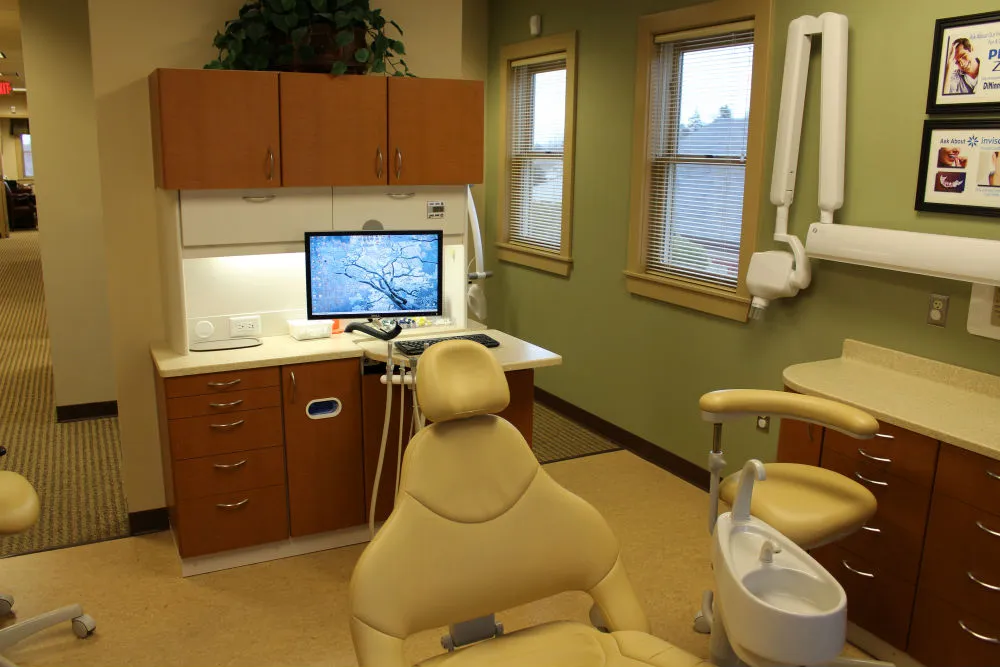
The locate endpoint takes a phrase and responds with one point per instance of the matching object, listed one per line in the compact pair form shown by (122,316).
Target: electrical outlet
(764,423)
(245,325)
(937,310)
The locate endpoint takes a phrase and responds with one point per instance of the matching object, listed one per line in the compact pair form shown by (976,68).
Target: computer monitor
(373,274)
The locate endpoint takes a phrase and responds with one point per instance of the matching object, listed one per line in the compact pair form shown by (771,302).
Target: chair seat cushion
(812,506)
(568,644)
(18,503)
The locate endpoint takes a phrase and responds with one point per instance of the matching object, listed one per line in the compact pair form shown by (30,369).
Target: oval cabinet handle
(989,587)
(987,530)
(872,529)
(226,427)
(232,506)
(231,383)
(259,199)
(872,457)
(270,164)
(222,406)
(399,163)
(291,374)
(870,481)
(990,473)
(230,466)
(980,637)
(378,162)
(869,575)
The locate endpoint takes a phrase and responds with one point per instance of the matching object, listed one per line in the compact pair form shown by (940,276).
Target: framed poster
(965,66)
(960,167)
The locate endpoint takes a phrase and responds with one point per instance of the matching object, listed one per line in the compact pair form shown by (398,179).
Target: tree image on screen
(368,274)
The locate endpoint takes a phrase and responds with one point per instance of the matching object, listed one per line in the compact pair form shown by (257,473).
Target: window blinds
(536,131)
(699,122)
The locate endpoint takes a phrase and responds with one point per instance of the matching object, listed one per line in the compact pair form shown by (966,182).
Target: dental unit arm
(775,274)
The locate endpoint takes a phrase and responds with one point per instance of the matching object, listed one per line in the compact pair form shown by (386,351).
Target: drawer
(940,640)
(799,442)
(223,217)
(234,401)
(220,434)
(231,520)
(876,600)
(885,542)
(969,477)
(962,559)
(215,383)
(895,451)
(227,473)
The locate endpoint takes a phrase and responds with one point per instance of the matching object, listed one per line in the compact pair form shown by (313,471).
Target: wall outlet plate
(244,325)
(937,310)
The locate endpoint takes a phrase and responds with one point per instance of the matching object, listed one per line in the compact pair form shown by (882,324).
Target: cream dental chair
(478,526)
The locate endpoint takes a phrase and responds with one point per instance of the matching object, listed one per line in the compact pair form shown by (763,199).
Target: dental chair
(479,526)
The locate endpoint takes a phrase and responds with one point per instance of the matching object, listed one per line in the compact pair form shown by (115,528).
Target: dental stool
(478,526)
(19,509)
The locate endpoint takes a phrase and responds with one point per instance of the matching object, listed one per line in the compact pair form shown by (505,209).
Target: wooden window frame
(561,262)
(691,293)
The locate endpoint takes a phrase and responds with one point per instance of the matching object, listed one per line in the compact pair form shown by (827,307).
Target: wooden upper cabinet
(435,131)
(333,130)
(215,129)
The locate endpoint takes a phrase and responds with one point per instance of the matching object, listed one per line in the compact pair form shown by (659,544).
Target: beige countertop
(952,404)
(513,353)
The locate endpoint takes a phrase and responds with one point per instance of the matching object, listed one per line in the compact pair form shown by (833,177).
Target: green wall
(642,364)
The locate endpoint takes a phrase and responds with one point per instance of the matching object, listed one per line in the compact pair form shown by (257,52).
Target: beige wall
(17,100)
(8,148)
(56,46)
(432,35)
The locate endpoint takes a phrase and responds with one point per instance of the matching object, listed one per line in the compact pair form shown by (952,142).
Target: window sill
(549,262)
(692,295)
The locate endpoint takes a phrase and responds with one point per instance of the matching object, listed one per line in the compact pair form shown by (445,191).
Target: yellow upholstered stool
(18,503)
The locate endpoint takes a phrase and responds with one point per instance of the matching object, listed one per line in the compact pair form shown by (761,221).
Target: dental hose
(402,411)
(385,439)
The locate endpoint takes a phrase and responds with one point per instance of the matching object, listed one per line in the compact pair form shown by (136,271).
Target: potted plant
(335,36)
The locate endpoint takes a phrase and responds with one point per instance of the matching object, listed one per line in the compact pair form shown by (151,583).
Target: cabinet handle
(809,432)
(270,164)
(984,528)
(872,529)
(226,427)
(399,163)
(885,436)
(225,384)
(230,466)
(989,587)
(869,575)
(990,473)
(870,481)
(260,199)
(232,506)
(379,162)
(291,374)
(982,638)
(233,404)
(870,457)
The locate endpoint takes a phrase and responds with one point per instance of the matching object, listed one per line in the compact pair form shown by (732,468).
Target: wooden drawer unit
(894,451)
(231,520)
(900,519)
(234,401)
(876,600)
(969,477)
(228,473)
(945,636)
(215,383)
(220,434)
(962,559)
(800,442)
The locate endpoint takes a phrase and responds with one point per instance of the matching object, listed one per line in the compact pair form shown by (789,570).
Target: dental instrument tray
(412,348)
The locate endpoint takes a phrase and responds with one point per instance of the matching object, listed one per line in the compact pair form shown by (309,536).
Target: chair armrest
(729,404)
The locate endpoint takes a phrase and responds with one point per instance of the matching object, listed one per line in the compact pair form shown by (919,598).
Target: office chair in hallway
(19,509)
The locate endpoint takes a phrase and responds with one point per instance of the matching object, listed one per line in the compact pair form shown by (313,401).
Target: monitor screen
(373,274)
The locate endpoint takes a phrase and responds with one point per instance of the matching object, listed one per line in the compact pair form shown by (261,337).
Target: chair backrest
(478,526)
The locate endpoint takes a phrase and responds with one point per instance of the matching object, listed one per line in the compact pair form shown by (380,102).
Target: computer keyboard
(412,348)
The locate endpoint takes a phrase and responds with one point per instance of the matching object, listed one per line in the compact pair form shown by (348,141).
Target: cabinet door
(333,130)
(215,129)
(323,453)
(435,131)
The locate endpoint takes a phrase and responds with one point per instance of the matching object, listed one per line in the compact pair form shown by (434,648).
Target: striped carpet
(74,466)
(557,438)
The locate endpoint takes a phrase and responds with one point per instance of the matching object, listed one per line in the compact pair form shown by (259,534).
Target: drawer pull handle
(295,386)
(230,466)
(989,587)
(885,436)
(988,530)
(869,575)
(982,638)
(232,506)
(870,481)
(990,473)
(232,404)
(871,529)
(260,199)
(225,384)
(226,427)
(870,457)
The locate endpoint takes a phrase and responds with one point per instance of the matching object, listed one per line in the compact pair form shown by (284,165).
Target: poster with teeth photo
(960,167)
(965,72)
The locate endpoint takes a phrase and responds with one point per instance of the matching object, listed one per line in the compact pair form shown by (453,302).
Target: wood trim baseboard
(79,411)
(672,463)
(148,521)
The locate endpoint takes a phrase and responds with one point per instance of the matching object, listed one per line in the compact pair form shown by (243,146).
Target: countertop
(513,353)
(952,404)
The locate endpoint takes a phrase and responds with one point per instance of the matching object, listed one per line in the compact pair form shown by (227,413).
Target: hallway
(75,467)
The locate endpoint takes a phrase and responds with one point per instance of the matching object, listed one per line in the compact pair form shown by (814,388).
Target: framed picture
(960,167)
(965,66)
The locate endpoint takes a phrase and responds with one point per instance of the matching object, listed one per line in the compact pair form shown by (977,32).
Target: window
(699,148)
(28,163)
(539,83)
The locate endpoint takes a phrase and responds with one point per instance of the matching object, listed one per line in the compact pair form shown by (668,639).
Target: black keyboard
(412,348)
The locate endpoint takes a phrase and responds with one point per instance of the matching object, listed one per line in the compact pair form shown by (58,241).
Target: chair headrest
(458,379)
